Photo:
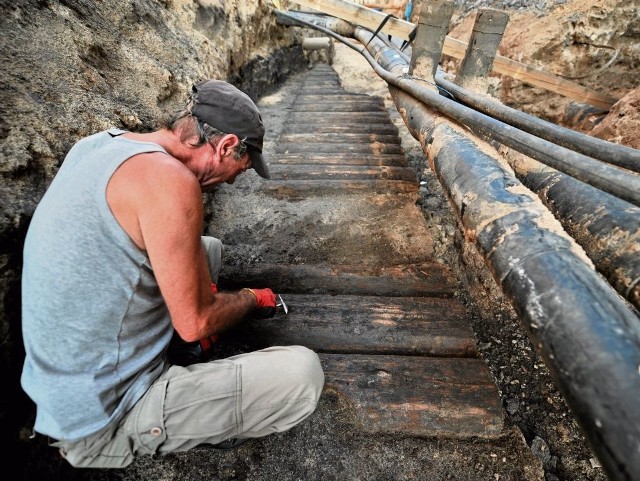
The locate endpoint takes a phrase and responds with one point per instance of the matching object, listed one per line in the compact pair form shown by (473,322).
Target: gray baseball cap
(228,109)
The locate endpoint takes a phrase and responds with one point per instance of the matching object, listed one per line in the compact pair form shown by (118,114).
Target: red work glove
(207,342)
(266,303)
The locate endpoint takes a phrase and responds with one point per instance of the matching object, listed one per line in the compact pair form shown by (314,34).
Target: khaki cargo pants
(245,396)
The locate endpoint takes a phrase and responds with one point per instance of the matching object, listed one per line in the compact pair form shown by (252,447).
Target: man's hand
(265,303)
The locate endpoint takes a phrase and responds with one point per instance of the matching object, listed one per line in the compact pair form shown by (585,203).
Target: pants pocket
(202,404)
(147,426)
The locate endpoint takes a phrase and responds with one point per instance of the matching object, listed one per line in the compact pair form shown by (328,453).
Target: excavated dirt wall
(74,67)
(594,43)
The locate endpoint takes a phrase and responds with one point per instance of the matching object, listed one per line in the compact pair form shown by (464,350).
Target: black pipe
(620,155)
(606,227)
(588,336)
(614,154)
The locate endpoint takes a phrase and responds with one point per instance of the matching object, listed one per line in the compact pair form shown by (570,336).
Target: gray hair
(189,127)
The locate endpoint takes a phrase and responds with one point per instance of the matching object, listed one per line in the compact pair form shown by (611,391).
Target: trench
(337,232)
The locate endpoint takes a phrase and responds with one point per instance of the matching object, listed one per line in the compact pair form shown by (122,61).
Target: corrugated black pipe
(587,334)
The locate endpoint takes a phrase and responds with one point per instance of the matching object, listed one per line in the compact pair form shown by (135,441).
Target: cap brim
(259,163)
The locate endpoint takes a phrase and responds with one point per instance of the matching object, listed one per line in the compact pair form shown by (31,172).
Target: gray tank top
(95,325)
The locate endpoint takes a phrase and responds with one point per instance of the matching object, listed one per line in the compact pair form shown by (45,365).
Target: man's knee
(305,371)
(283,372)
(214,250)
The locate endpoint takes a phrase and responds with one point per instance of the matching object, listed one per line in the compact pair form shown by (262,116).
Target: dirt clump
(622,124)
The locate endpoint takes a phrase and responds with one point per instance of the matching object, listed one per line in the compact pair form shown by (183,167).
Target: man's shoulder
(161,164)
(160,173)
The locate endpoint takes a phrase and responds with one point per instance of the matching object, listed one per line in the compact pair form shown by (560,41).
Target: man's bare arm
(166,216)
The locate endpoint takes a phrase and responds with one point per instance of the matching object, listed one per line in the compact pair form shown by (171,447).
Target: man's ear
(228,144)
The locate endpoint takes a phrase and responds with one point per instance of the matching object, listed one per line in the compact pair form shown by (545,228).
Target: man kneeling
(114,265)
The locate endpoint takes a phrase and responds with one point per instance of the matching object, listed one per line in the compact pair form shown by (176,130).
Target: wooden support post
(481,50)
(433,25)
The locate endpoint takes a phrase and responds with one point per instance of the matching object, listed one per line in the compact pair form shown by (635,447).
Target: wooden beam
(320,148)
(391,160)
(341,172)
(486,36)
(333,139)
(300,189)
(341,118)
(380,129)
(371,19)
(429,279)
(423,326)
(433,25)
(420,396)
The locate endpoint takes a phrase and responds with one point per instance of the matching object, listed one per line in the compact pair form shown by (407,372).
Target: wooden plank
(320,148)
(421,326)
(415,395)
(339,107)
(340,117)
(298,189)
(318,84)
(326,128)
(323,90)
(313,137)
(456,48)
(397,160)
(339,98)
(344,97)
(420,280)
(346,172)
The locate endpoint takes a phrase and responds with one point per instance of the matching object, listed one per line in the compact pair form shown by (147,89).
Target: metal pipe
(614,154)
